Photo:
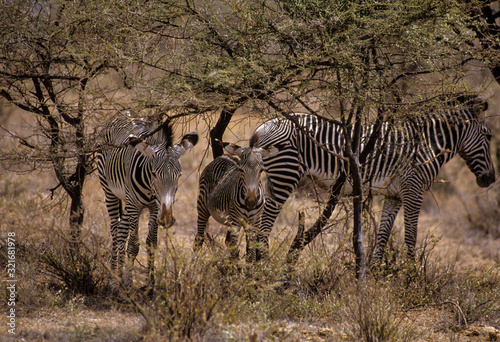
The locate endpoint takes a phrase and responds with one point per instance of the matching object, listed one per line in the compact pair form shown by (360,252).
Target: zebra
(142,174)
(408,158)
(231,190)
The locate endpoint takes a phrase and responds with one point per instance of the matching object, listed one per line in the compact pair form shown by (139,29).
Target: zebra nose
(251,200)
(484,180)
(166,217)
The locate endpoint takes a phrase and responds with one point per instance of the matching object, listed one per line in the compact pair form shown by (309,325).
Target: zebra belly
(118,190)
(384,186)
(381,186)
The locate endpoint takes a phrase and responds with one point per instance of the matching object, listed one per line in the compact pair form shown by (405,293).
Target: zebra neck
(442,137)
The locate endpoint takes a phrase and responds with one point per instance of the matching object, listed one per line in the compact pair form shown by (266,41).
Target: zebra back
(123,127)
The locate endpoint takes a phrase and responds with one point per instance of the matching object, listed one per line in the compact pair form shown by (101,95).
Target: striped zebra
(406,160)
(231,190)
(142,174)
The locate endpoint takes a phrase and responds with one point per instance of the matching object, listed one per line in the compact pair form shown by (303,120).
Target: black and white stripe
(407,158)
(231,190)
(143,174)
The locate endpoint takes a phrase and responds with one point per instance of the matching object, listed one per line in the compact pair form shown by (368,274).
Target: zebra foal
(232,192)
(405,162)
(144,173)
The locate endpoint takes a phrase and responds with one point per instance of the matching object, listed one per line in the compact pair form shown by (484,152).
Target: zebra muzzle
(166,217)
(486,179)
(251,200)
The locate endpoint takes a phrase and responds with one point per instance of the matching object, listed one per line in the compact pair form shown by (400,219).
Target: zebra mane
(160,132)
(124,127)
(454,110)
(475,104)
(168,133)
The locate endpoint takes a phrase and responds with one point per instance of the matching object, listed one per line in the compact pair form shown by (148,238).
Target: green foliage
(214,53)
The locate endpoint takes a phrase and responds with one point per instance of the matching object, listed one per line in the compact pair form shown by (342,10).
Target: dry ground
(459,228)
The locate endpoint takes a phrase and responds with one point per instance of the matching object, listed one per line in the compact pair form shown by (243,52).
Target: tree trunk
(76,215)
(357,234)
(217,132)
(352,148)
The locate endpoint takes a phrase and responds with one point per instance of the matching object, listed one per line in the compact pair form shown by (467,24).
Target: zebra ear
(140,145)
(232,149)
(146,149)
(254,140)
(187,142)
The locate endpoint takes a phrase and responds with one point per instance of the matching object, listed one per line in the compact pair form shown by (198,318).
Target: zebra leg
(251,235)
(128,232)
(114,207)
(272,209)
(152,242)
(133,240)
(203,216)
(389,213)
(232,241)
(412,203)
(281,191)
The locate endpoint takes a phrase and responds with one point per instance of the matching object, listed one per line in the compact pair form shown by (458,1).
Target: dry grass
(451,294)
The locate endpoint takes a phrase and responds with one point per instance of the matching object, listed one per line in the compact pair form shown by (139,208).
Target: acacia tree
(355,61)
(52,60)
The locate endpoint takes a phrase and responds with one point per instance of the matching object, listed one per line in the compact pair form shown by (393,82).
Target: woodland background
(222,68)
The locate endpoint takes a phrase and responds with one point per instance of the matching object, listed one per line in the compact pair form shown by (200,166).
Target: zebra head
(165,173)
(251,166)
(477,154)
(475,146)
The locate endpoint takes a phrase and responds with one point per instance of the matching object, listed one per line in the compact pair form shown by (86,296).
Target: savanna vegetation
(221,68)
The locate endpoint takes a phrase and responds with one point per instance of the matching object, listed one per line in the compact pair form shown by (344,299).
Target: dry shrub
(190,289)
(483,215)
(80,270)
(49,270)
(373,314)
(465,206)
(473,296)
(470,294)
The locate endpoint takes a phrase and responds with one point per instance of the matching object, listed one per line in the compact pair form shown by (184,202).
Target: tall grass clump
(80,270)
(187,296)
(473,297)
(191,291)
(373,314)
(466,295)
